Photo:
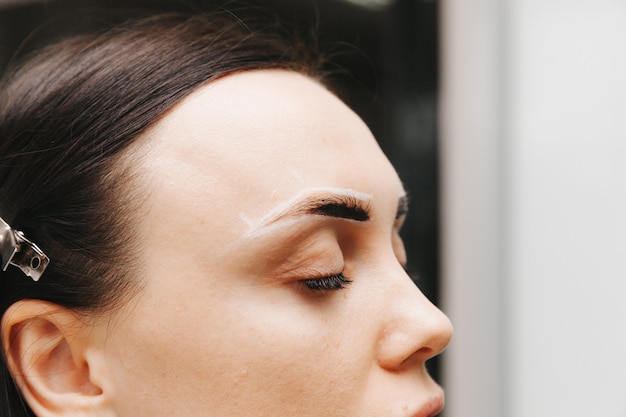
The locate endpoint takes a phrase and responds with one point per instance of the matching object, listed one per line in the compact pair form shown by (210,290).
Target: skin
(224,324)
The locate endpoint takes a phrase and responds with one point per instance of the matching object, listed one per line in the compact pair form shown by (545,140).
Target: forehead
(262,113)
(240,145)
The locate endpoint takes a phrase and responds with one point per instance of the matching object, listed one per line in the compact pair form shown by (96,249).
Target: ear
(47,348)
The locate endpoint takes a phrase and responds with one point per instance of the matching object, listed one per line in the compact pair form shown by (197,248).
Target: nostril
(397,349)
(425,353)
(413,336)
(419,357)
(416,359)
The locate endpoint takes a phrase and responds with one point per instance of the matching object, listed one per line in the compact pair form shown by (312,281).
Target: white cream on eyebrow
(276,212)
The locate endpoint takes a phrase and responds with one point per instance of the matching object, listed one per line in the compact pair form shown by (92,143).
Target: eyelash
(331,283)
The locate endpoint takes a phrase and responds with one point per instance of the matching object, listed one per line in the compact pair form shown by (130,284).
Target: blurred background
(505,119)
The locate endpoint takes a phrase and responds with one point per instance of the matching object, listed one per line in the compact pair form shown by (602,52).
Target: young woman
(194,225)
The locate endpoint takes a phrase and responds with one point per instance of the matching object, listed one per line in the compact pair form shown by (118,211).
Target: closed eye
(330,283)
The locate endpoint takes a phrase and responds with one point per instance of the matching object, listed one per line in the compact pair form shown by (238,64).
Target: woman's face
(265,195)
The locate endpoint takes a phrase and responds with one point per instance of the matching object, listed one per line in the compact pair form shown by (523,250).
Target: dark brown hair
(67,115)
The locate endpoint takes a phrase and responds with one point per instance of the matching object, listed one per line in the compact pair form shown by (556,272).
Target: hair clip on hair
(18,251)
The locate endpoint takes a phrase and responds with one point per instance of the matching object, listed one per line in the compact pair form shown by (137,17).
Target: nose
(414,330)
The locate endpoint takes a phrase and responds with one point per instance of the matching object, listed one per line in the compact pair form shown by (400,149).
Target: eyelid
(399,222)
(398,247)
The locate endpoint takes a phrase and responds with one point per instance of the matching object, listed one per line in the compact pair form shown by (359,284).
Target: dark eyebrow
(341,206)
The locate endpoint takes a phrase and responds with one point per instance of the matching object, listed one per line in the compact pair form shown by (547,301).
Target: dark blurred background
(389,49)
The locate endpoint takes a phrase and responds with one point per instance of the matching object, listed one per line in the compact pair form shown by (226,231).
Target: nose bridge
(413,327)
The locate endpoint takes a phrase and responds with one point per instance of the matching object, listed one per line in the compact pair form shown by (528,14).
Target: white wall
(471,206)
(534,154)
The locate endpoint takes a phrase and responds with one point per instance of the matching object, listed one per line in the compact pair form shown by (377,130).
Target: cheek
(255,350)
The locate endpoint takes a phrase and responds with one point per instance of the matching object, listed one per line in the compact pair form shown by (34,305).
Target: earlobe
(45,346)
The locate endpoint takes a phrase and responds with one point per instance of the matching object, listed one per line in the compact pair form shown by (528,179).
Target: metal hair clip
(18,251)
